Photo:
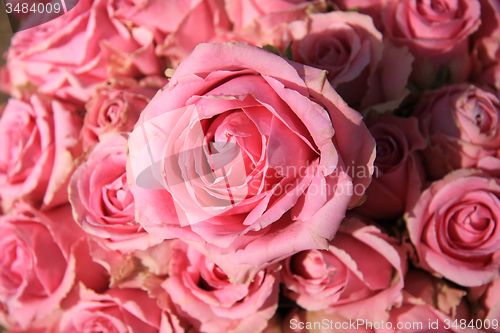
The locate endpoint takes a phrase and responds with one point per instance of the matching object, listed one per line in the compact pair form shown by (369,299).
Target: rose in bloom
(115,107)
(454,228)
(244,149)
(42,257)
(461,123)
(399,173)
(363,69)
(487,297)
(39,142)
(369,7)
(437,29)
(202,294)
(343,279)
(101,199)
(430,301)
(100,47)
(116,310)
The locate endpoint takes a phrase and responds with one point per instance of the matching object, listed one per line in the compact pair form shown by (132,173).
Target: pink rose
(454,228)
(350,48)
(115,107)
(43,257)
(344,280)
(199,21)
(430,305)
(242,13)
(462,125)
(242,138)
(369,7)
(399,174)
(39,142)
(70,68)
(437,29)
(117,310)
(204,296)
(487,298)
(102,202)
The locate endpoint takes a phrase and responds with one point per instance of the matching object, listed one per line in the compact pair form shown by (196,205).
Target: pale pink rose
(43,257)
(399,173)
(359,276)
(454,228)
(242,13)
(103,205)
(462,126)
(242,138)
(100,47)
(39,142)
(116,310)
(115,107)
(485,61)
(350,48)
(202,294)
(487,300)
(430,305)
(437,29)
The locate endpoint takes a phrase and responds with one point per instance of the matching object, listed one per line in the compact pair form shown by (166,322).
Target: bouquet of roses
(250,166)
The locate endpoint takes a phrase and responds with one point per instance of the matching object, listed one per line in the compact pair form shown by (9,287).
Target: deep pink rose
(487,299)
(102,202)
(38,145)
(344,279)
(436,29)
(42,257)
(462,125)
(117,310)
(115,107)
(399,174)
(454,228)
(204,296)
(243,149)
(430,305)
(100,47)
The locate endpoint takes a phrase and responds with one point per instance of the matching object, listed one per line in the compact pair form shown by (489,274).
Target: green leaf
(272,49)
(288,52)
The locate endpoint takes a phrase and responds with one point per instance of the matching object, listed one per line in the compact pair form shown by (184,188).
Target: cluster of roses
(253,166)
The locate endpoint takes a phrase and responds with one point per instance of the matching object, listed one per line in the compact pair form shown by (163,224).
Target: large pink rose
(462,125)
(399,174)
(204,296)
(42,257)
(39,142)
(100,47)
(437,29)
(344,280)
(115,107)
(243,149)
(102,202)
(117,310)
(454,228)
